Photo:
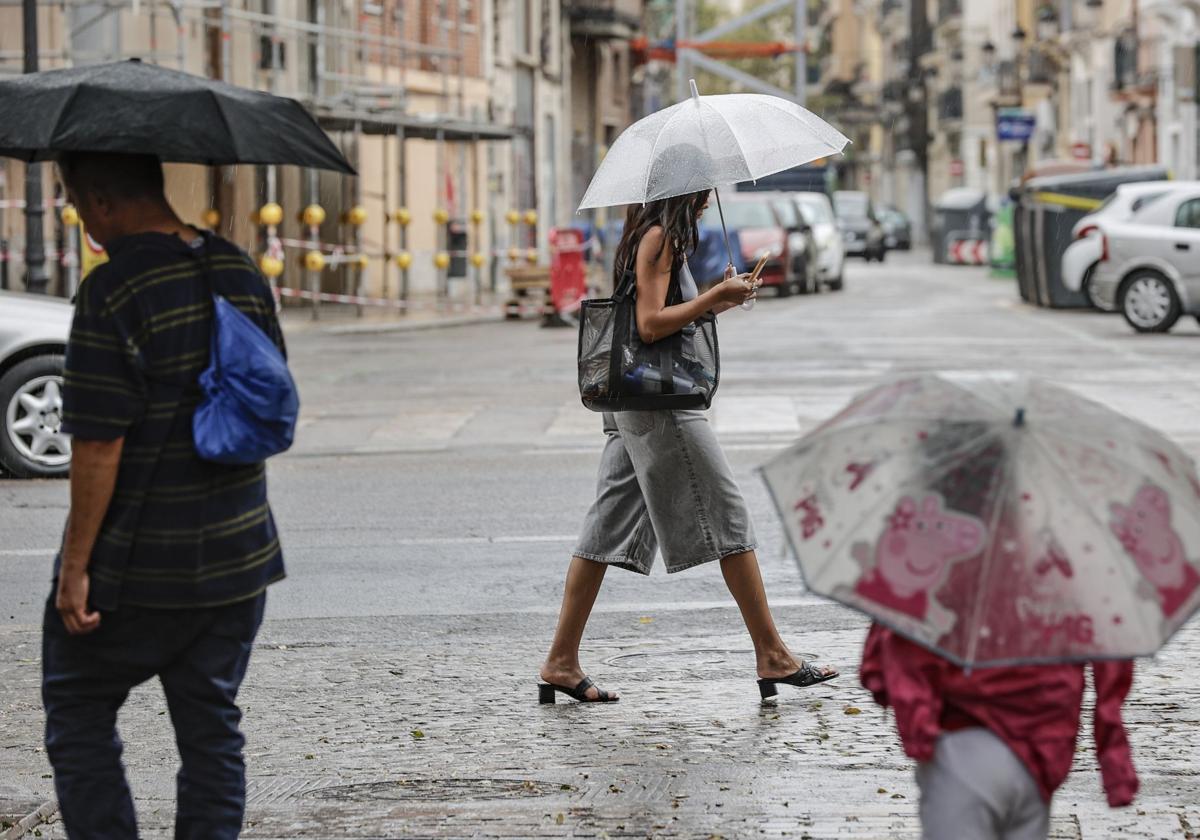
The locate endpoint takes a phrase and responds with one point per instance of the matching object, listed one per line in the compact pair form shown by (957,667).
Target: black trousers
(200,657)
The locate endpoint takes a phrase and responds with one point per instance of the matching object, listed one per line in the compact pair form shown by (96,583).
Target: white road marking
(28,552)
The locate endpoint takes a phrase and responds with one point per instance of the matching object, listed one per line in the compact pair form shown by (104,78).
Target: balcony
(605,19)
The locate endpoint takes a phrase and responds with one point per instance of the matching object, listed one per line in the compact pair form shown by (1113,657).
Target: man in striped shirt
(166,557)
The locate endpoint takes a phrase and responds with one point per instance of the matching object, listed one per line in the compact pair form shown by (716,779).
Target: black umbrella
(133,107)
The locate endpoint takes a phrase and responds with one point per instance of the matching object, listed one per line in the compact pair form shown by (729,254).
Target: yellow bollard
(402,217)
(441,216)
(270,266)
(70,216)
(270,214)
(531,217)
(512,217)
(356,215)
(404,259)
(313,215)
(211,218)
(314,260)
(531,256)
(476,217)
(441,259)
(478,259)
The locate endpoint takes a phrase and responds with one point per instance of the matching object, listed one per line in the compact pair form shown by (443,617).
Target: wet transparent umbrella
(707,142)
(996,520)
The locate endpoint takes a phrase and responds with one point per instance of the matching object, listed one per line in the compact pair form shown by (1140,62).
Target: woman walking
(664,481)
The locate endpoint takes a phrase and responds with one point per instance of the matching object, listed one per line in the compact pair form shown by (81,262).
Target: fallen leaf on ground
(418,734)
(559,819)
(852,710)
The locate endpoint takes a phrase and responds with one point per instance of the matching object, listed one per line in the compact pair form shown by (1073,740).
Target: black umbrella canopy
(132,107)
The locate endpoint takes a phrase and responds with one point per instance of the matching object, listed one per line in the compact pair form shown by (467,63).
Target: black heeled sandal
(805,677)
(546,692)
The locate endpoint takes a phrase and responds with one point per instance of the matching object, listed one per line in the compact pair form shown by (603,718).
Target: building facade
(460,116)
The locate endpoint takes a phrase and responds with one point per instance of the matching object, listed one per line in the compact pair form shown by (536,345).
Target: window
(1188,214)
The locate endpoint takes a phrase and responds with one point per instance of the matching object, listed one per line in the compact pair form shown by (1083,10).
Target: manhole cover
(700,658)
(437,790)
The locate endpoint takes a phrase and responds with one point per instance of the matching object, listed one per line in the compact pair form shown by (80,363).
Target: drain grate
(437,790)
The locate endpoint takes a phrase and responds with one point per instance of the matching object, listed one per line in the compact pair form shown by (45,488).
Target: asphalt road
(429,508)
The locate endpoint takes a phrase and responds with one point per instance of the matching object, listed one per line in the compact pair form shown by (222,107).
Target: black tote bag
(620,372)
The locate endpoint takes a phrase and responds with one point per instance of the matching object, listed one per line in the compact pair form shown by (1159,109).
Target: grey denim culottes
(664,483)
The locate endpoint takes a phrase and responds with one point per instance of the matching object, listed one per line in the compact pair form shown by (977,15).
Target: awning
(419,126)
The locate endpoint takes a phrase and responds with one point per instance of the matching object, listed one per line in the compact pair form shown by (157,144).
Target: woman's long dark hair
(677,217)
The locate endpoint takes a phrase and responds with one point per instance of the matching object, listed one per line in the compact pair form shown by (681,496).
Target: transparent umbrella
(708,142)
(996,520)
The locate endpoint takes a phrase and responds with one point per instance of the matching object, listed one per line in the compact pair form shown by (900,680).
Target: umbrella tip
(1019,420)
(695,90)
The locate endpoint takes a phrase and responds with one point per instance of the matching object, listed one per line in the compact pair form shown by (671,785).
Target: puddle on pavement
(438,790)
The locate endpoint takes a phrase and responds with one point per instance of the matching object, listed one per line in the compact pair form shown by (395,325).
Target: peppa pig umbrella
(996,520)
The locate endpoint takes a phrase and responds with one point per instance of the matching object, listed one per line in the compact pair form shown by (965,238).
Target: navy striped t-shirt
(180,531)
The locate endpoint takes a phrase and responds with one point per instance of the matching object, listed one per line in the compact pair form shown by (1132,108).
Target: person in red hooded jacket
(993,744)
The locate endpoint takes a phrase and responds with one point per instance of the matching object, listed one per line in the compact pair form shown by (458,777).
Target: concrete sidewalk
(428,727)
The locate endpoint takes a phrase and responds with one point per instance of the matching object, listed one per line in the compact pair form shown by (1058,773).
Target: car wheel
(1149,303)
(32,443)
(837,283)
(786,288)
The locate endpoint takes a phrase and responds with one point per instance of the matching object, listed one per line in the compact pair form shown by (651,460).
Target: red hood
(755,240)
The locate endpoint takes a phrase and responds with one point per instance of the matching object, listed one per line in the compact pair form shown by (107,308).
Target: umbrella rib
(654,147)
(803,117)
(736,139)
(989,555)
(63,110)
(1048,456)
(224,119)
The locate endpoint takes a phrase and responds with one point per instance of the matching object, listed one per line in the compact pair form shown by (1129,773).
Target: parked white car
(1080,259)
(1149,268)
(831,248)
(33,343)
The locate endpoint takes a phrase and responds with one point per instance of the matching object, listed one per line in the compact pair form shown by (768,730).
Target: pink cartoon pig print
(914,553)
(1144,529)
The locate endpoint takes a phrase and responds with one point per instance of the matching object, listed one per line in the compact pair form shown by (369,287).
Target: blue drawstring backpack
(250,402)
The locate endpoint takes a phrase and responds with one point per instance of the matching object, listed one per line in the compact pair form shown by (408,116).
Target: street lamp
(1018,36)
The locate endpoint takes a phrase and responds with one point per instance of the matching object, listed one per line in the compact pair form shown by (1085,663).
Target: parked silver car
(1149,267)
(33,342)
(1082,256)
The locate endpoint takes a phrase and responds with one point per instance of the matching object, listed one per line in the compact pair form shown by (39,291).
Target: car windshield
(850,205)
(816,209)
(786,212)
(748,214)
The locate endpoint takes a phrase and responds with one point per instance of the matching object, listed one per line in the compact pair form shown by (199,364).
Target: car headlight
(796,242)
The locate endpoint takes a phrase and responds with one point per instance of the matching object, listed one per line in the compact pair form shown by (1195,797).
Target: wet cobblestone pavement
(353,734)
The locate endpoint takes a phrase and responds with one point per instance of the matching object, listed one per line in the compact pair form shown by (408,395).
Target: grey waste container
(1047,208)
(958,210)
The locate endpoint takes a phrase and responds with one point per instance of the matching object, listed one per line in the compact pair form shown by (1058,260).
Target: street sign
(1081,151)
(956,168)
(1014,124)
